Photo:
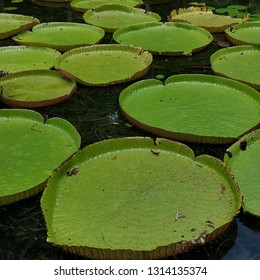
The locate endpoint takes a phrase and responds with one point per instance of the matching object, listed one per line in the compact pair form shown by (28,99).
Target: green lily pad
(12,24)
(21,58)
(176,37)
(244,161)
(30,150)
(237,7)
(95,65)
(240,63)
(193,108)
(113,16)
(35,88)
(142,205)
(222,10)
(7,9)
(244,34)
(61,36)
(204,18)
(84,5)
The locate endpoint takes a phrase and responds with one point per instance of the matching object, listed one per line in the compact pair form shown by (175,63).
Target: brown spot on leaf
(243,145)
(223,189)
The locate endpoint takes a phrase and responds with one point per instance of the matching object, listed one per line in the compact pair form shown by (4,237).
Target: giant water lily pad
(204,18)
(113,16)
(177,38)
(61,36)
(30,150)
(11,24)
(22,58)
(244,33)
(195,108)
(134,198)
(35,88)
(241,63)
(104,64)
(244,160)
(84,5)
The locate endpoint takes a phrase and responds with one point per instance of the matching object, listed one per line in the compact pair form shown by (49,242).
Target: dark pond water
(95,113)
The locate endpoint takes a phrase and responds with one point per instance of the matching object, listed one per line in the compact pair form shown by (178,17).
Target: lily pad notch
(192,108)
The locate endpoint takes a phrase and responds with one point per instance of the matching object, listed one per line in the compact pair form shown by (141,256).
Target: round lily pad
(192,108)
(244,161)
(177,38)
(35,88)
(102,65)
(30,150)
(135,198)
(12,24)
(84,5)
(22,58)
(204,18)
(61,36)
(237,7)
(240,63)
(244,34)
(113,16)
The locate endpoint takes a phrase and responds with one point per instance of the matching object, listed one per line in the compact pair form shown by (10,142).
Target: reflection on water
(94,111)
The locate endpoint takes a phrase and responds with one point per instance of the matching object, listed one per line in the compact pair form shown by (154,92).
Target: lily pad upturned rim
(31,21)
(23,50)
(55,26)
(175,17)
(144,26)
(234,151)
(180,136)
(35,117)
(78,8)
(109,148)
(230,50)
(236,28)
(119,8)
(37,103)
(100,48)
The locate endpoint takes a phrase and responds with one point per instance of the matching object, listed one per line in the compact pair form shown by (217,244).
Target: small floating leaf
(237,7)
(159,76)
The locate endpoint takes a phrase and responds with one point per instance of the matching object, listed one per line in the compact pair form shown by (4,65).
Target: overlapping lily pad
(35,88)
(12,24)
(177,38)
(244,160)
(30,150)
(84,5)
(21,58)
(241,63)
(244,34)
(113,16)
(102,65)
(61,36)
(204,18)
(141,206)
(194,108)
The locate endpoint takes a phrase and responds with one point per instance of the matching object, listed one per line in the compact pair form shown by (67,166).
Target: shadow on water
(94,111)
